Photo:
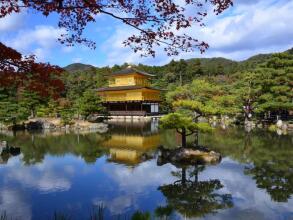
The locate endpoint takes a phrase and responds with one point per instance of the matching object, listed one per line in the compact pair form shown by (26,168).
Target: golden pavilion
(129,94)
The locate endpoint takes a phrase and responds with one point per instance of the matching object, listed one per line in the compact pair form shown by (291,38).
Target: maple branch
(140,29)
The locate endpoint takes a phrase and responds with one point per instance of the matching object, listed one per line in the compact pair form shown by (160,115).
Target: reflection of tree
(34,149)
(138,215)
(7,152)
(270,157)
(274,178)
(163,212)
(194,198)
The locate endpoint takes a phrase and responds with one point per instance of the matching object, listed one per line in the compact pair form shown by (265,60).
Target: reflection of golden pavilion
(131,147)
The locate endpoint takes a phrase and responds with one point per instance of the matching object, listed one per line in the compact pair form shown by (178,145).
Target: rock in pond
(199,155)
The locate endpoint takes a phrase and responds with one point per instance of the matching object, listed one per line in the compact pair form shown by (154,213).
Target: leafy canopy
(204,98)
(269,87)
(183,123)
(90,103)
(155,22)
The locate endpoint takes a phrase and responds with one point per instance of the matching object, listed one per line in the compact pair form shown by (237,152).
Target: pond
(116,176)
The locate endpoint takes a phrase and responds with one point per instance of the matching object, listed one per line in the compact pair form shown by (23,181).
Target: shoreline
(51,125)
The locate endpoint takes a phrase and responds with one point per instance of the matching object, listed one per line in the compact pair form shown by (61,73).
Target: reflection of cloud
(45,182)
(45,177)
(140,177)
(134,184)
(14,204)
(249,201)
(116,205)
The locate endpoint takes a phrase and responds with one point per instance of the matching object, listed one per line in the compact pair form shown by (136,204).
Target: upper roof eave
(131,71)
(118,88)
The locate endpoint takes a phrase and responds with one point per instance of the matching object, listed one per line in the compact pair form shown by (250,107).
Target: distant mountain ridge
(76,67)
(206,63)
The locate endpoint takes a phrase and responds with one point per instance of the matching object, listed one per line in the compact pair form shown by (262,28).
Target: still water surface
(116,175)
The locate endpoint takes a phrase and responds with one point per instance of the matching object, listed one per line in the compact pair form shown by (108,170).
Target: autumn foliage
(157,22)
(17,71)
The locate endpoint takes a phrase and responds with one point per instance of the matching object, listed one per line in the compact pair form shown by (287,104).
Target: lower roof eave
(134,101)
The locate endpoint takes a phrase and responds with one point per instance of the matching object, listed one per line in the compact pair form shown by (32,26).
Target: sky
(248,28)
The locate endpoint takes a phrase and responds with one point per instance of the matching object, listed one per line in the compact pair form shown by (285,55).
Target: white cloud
(249,28)
(39,40)
(67,49)
(264,25)
(117,53)
(12,22)
(43,35)
(77,60)
(40,53)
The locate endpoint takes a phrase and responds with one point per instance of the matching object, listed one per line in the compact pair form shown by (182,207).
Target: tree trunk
(183,137)
(195,174)
(183,176)
(33,113)
(196,139)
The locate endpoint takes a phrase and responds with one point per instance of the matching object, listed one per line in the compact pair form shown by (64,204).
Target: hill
(210,66)
(290,51)
(216,65)
(77,67)
(253,61)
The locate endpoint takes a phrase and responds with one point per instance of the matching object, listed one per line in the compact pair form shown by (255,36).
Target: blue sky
(248,28)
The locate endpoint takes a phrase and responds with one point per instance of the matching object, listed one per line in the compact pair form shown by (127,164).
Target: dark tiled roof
(131,70)
(117,88)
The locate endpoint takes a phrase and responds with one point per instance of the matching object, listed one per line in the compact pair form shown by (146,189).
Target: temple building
(129,94)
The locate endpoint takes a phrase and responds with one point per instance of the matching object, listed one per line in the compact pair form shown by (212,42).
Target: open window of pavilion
(129,94)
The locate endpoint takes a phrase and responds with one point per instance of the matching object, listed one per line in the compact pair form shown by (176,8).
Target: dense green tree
(90,103)
(101,77)
(268,88)
(18,106)
(65,110)
(183,124)
(176,72)
(200,98)
(116,68)
(76,83)
(204,98)
(194,69)
(276,84)
(247,89)
(30,101)
(9,111)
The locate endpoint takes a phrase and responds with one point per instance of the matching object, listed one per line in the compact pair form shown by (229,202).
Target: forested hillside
(262,83)
(75,67)
(171,72)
